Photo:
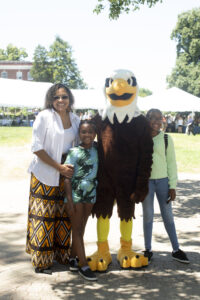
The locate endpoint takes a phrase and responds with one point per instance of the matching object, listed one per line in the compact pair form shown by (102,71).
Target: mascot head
(121,91)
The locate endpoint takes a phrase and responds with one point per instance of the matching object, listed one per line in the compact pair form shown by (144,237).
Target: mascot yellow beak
(121,92)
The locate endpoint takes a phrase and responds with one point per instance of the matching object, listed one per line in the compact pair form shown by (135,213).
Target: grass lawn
(15,136)
(187,147)
(187,152)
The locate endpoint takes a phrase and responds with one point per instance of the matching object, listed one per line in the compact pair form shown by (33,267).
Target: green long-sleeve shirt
(164,165)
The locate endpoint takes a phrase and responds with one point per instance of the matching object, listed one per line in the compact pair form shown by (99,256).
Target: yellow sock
(126,230)
(103,226)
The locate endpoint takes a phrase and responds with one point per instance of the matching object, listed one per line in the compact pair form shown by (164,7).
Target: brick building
(16,70)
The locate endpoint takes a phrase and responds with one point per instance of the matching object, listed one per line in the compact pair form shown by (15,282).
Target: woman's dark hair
(89,122)
(152,111)
(51,94)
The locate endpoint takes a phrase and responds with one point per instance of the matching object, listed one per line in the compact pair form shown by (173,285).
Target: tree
(42,68)
(56,65)
(13,53)
(186,73)
(144,92)
(117,7)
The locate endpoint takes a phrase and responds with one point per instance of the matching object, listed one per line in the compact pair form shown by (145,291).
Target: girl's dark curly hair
(89,122)
(151,111)
(51,94)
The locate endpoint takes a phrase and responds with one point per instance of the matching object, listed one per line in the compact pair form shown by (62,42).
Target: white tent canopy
(21,93)
(173,99)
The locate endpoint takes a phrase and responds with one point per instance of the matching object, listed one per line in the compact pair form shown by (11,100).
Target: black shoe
(148,254)
(47,271)
(73,264)
(180,256)
(88,274)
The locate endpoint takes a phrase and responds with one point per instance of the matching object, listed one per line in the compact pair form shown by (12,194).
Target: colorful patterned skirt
(49,228)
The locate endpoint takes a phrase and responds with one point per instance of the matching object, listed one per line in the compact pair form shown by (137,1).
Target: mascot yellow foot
(128,258)
(100,260)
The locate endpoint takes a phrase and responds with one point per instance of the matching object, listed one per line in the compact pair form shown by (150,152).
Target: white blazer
(48,134)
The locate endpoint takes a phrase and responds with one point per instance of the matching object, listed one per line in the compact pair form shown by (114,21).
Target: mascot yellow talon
(128,258)
(125,263)
(125,254)
(100,260)
(139,261)
(144,260)
(92,262)
(102,265)
(136,262)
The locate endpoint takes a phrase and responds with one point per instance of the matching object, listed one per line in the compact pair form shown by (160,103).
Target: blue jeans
(196,130)
(159,187)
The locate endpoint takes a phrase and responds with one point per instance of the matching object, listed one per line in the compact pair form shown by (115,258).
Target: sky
(138,41)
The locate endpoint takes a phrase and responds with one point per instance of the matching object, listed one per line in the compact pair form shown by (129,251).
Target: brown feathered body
(125,159)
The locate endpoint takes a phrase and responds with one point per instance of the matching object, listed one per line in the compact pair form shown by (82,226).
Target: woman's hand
(172,195)
(67,170)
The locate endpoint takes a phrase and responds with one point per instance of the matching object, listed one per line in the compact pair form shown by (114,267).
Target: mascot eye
(132,81)
(108,82)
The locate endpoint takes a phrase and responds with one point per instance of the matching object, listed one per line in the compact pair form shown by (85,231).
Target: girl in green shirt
(162,182)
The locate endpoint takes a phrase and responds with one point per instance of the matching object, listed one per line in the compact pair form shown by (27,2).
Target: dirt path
(163,279)
(14,162)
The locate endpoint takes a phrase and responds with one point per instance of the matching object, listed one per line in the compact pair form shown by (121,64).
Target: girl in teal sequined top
(81,194)
(85,162)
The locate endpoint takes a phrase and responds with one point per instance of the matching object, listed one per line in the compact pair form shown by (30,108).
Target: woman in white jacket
(55,131)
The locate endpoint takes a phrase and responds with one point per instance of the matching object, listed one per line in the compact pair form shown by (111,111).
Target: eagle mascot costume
(125,156)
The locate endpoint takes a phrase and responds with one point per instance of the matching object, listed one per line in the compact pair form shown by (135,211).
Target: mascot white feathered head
(121,92)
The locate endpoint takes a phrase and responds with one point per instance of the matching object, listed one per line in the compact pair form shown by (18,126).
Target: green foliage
(13,53)
(186,74)
(117,7)
(144,92)
(56,65)
(42,68)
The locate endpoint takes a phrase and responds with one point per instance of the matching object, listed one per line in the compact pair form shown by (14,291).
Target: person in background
(81,116)
(55,131)
(189,125)
(162,182)
(164,127)
(169,123)
(189,119)
(196,124)
(81,194)
(180,124)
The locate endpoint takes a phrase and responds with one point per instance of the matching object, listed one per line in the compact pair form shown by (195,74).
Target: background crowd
(187,122)
(182,123)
